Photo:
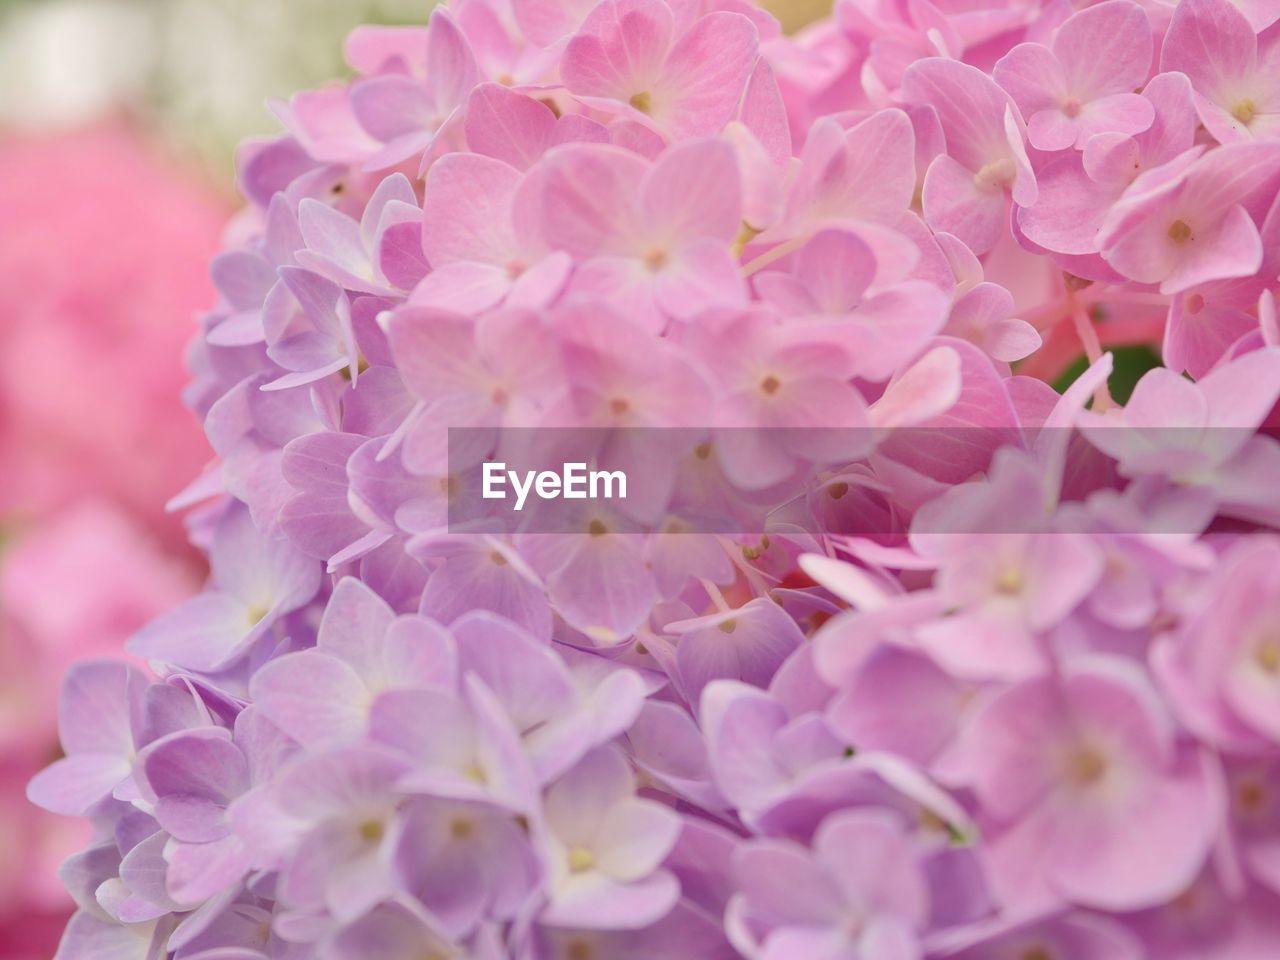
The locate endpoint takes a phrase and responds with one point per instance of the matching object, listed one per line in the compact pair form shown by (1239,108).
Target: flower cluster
(1035,714)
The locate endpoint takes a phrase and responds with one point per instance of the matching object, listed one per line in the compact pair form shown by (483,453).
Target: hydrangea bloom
(1000,680)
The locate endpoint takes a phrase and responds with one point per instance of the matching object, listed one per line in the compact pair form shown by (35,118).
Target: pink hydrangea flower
(966,189)
(631,56)
(1087,773)
(1229,64)
(892,651)
(1082,84)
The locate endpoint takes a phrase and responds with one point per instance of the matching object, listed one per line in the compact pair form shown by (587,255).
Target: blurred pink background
(104,250)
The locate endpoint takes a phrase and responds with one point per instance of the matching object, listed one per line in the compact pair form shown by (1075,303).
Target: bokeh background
(118,125)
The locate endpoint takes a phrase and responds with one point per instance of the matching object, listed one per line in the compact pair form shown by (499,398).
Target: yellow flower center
(1086,767)
(1245,111)
(745,235)
(1267,655)
(1180,231)
(642,101)
(1251,797)
(998,173)
(655,260)
(1010,582)
(581,859)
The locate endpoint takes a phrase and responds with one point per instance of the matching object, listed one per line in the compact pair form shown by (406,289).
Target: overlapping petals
(998,677)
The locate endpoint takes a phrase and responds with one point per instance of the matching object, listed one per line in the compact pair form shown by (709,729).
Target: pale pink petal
(635,837)
(927,390)
(626,283)
(1146,857)
(1119,113)
(542,283)
(1105,49)
(1052,130)
(1175,124)
(1033,76)
(335,237)
(1110,159)
(1199,333)
(1230,248)
(546,21)
(466,209)
(1023,185)
(970,107)
(74,784)
(451,66)
(314,698)
(619,51)
(866,173)
(705,276)
(586,199)
(834,269)
(600,903)
(1242,393)
(694,191)
(508,126)
(954,203)
(703,81)
(1213,44)
(1010,340)
(392,106)
(371,48)
(764,113)
(463,287)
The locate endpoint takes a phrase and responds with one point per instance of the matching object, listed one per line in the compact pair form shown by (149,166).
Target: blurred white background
(198,71)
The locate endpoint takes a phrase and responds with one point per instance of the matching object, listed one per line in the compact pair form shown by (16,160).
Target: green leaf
(1130,364)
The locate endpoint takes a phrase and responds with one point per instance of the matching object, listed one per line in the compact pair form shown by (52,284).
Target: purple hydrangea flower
(982,671)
